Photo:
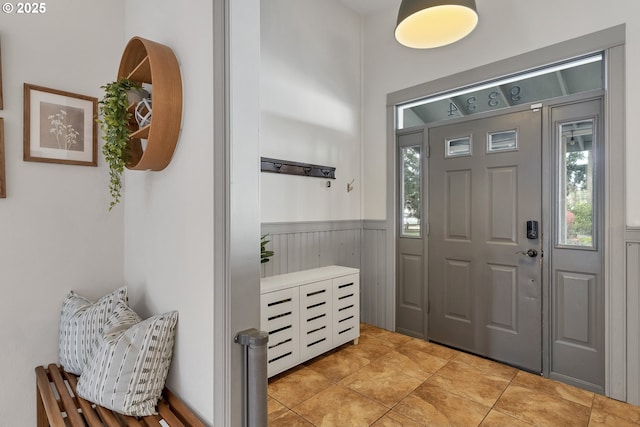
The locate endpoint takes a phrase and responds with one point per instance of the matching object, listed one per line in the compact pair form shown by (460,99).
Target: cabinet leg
(355,342)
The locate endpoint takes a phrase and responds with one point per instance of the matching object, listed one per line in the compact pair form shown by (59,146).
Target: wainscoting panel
(373,273)
(359,244)
(304,245)
(633,318)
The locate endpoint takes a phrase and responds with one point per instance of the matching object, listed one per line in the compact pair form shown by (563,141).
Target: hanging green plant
(114,122)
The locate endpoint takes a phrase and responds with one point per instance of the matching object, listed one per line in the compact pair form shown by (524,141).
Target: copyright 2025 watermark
(24,8)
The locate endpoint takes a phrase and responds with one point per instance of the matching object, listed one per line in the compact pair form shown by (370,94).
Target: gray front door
(484,267)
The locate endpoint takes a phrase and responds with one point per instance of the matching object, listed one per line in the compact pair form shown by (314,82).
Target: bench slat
(41,413)
(152,421)
(48,401)
(165,412)
(131,421)
(181,410)
(67,402)
(108,417)
(90,415)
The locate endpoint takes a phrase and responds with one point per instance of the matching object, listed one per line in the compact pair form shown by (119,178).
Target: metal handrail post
(254,376)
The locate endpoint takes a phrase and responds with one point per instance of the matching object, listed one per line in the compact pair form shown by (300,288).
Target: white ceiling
(365,7)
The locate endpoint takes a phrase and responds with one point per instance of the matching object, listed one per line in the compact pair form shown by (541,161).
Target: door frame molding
(236,221)
(221,304)
(611,41)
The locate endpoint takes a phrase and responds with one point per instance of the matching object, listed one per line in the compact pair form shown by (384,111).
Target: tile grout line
(593,399)
(493,407)
(431,374)
(369,362)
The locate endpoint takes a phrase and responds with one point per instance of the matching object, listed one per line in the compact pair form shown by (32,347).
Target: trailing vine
(115,125)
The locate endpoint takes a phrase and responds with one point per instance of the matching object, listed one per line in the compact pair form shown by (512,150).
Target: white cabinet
(309,312)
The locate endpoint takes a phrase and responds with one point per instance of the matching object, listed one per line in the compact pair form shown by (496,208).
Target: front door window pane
(502,141)
(576,178)
(411,188)
(458,147)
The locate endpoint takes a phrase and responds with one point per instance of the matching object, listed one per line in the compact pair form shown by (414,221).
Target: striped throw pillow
(81,322)
(130,362)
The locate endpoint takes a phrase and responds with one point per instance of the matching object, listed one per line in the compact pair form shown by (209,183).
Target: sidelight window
(576,184)
(411,191)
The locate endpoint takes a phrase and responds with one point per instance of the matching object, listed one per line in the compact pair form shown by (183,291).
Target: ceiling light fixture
(424,24)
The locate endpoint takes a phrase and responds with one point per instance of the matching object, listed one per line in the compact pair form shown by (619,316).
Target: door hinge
(428,150)
(428,306)
(428,229)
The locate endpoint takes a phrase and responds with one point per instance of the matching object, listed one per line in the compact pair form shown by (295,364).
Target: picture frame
(59,127)
(1,104)
(3,182)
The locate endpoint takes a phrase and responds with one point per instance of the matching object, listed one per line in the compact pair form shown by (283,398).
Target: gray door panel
(577,288)
(410,263)
(485,297)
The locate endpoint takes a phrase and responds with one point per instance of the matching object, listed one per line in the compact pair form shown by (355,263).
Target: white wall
(506,28)
(169,214)
(310,99)
(56,232)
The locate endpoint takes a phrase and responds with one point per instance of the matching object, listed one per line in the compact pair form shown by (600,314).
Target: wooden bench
(59,406)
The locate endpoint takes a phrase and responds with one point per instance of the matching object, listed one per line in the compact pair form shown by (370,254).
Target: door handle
(531,253)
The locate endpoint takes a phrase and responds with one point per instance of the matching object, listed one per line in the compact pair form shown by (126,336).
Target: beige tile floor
(389,379)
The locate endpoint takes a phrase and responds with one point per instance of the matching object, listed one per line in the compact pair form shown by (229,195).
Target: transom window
(555,80)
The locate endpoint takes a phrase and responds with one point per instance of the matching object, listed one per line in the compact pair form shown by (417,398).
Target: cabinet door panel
(346,309)
(315,319)
(280,318)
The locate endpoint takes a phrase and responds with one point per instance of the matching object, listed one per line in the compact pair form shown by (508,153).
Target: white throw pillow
(81,322)
(130,362)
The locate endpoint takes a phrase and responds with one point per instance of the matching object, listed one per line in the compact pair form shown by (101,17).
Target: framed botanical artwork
(3,183)
(59,127)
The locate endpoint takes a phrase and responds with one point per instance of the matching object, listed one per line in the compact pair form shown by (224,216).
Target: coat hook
(350,185)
